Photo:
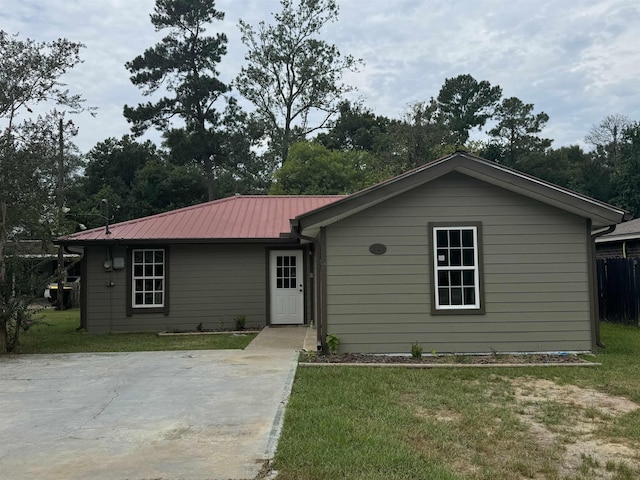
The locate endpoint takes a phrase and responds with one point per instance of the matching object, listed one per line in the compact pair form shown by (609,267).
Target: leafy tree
(356,128)
(554,166)
(418,138)
(184,63)
(40,142)
(293,78)
(238,168)
(161,186)
(136,179)
(517,128)
(626,177)
(591,176)
(30,74)
(464,103)
(312,169)
(110,173)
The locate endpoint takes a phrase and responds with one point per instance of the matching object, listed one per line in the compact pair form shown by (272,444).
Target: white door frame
(286,287)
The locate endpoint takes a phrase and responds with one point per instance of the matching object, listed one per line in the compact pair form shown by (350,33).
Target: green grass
(57,332)
(369,423)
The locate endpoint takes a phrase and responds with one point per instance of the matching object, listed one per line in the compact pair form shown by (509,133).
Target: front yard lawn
(495,423)
(56,332)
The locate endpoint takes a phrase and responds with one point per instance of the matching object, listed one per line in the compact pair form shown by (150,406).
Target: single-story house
(622,242)
(460,255)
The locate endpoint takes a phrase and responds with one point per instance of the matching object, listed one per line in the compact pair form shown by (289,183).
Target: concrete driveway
(147,415)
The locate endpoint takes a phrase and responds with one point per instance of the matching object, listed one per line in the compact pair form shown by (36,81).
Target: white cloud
(578,61)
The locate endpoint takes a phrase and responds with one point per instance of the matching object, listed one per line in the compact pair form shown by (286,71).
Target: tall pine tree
(183,68)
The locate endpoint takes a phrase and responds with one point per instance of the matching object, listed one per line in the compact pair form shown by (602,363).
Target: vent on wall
(378,249)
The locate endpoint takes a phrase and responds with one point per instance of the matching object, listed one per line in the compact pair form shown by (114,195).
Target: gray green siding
(535,274)
(208,284)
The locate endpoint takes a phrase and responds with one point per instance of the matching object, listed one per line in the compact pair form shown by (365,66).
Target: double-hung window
(148,278)
(456,268)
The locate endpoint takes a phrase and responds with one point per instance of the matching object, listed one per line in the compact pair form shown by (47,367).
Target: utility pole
(60,202)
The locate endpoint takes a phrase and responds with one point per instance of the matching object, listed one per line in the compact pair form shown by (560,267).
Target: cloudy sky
(577,60)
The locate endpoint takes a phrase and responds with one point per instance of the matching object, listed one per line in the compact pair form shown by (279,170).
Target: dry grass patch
(480,439)
(577,421)
(525,427)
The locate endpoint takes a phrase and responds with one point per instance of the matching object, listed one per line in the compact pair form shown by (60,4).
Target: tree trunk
(208,177)
(3,310)
(284,147)
(4,340)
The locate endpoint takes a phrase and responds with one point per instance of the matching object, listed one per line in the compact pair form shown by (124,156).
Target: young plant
(240,321)
(308,355)
(332,343)
(416,350)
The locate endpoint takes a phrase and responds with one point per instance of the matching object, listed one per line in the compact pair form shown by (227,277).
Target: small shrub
(16,317)
(308,355)
(240,321)
(416,350)
(332,343)
(199,327)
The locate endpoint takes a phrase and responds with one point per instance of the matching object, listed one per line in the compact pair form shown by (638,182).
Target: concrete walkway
(189,415)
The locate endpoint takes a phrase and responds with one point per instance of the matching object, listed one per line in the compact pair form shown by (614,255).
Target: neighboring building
(459,255)
(32,265)
(622,242)
(617,254)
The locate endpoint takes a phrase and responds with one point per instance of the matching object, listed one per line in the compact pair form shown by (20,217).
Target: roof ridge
(292,196)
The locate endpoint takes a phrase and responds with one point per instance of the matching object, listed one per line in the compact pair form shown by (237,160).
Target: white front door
(287,287)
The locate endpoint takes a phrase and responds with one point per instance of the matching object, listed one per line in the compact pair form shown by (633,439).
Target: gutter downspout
(319,283)
(594,280)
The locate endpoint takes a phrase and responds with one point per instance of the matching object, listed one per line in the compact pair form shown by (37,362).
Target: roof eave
(617,238)
(285,238)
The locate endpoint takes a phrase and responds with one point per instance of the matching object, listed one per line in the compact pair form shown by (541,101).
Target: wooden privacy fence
(619,290)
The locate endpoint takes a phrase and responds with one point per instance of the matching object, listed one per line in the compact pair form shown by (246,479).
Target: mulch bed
(497,359)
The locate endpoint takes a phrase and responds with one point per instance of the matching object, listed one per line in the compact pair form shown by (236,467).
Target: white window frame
(144,277)
(475,268)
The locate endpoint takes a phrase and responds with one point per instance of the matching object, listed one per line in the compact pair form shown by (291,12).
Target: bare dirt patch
(572,418)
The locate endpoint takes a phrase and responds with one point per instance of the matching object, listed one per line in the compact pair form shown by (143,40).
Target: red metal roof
(238,217)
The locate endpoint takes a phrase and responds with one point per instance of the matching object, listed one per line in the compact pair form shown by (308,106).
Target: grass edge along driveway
(56,332)
(543,423)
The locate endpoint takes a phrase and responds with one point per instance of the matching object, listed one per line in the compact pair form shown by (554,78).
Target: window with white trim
(148,278)
(456,267)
